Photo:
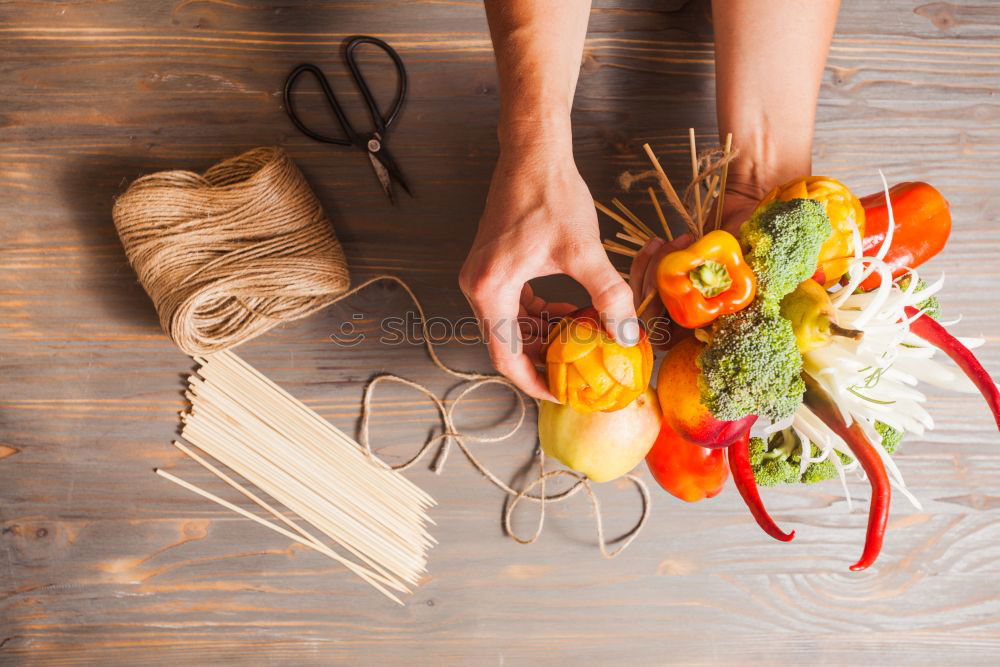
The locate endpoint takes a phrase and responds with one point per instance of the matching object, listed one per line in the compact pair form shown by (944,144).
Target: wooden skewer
(232,378)
(322,548)
(667,187)
(630,239)
(260,432)
(711,183)
(367,575)
(659,213)
(624,275)
(369,541)
(722,184)
(350,448)
(633,217)
(629,227)
(694,176)
(645,304)
(246,492)
(611,246)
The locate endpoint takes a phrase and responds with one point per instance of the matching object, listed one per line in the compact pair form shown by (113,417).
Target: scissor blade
(383,176)
(386,159)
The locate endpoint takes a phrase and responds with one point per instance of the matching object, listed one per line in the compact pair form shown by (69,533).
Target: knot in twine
(228,254)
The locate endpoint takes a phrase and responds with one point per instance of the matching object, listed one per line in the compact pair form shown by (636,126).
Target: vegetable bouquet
(799,347)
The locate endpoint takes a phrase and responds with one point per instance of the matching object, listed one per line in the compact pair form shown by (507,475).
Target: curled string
(709,162)
(450,434)
(711,166)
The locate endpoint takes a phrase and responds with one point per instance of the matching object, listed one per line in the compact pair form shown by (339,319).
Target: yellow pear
(602,445)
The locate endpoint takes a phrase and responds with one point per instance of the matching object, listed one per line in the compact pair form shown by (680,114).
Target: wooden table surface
(100,560)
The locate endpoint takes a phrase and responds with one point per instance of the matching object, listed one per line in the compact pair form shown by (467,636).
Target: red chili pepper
(817,400)
(739,464)
(935,334)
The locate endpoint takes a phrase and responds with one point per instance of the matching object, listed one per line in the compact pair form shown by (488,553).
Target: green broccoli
(771,461)
(931,306)
(752,365)
(891,437)
(822,471)
(785,239)
(778,461)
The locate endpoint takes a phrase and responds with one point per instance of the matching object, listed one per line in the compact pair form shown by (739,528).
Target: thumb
(611,296)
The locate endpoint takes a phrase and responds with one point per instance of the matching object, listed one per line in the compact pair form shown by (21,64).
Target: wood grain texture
(102,562)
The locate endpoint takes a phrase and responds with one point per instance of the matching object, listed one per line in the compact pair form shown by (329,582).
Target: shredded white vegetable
(875,378)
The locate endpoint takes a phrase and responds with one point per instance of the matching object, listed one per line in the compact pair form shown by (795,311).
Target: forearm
(769,58)
(538,46)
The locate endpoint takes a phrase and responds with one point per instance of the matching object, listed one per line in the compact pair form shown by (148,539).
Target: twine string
(709,162)
(228,254)
(451,434)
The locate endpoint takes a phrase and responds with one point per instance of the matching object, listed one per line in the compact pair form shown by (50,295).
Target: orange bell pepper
(707,279)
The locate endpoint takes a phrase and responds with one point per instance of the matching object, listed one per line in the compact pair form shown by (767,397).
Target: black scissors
(372,143)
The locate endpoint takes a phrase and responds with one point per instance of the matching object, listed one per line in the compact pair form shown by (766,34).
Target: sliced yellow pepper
(589,371)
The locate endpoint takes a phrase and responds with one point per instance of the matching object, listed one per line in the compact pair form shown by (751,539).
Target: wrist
(763,163)
(530,134)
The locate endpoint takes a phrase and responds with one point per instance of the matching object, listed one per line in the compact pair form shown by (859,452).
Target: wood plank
(102,562)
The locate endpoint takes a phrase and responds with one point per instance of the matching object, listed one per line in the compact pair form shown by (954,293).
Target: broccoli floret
(822,471)
(819,472)
(931,306)
(752,365)
(770,466)
(891,437)
(779,460)
(785,239)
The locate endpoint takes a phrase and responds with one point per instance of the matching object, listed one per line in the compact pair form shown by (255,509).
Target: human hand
(539,220)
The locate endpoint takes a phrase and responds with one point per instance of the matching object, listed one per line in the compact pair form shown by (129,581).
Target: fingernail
(630,332)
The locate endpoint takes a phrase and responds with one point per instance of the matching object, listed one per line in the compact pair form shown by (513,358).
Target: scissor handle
(381,122)
(352,137)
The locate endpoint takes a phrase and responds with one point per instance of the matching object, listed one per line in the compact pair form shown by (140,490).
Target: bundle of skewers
(709,171)
(800,339)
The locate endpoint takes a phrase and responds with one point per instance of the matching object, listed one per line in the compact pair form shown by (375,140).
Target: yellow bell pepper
(845,212)
(589,371)
(813,317)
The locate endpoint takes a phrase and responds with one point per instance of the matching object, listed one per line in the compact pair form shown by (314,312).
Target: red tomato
(686,470)
(680,400)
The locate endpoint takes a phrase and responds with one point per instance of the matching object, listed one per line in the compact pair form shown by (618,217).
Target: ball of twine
(228,254)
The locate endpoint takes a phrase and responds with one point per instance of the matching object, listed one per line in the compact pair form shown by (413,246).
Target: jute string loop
(230,253)
(450,434)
